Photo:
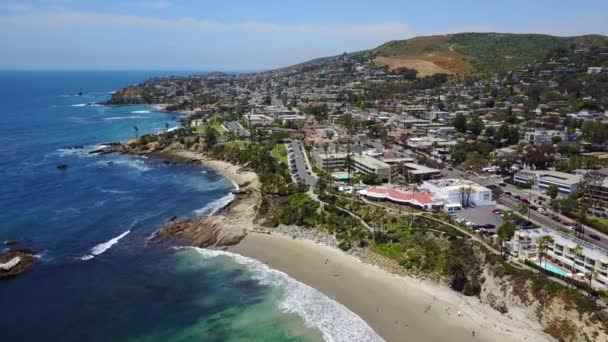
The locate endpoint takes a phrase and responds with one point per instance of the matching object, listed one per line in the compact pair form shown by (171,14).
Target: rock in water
(15,261)
(62,166)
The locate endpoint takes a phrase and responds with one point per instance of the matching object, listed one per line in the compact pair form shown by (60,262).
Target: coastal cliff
(566,315)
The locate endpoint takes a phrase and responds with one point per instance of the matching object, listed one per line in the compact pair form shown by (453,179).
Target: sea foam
(334,320)
(79,105)
(213,207)
(123,117)
(102,247)
(140,112)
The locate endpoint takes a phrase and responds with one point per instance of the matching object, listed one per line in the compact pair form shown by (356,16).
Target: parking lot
(480,215)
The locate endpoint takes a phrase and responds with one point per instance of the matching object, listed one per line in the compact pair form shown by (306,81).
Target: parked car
(524,200)
(595,237)
(517,197)
(533,207)
(502,184)
(508,193)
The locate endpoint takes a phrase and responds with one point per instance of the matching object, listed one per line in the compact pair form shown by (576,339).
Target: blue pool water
(550,267)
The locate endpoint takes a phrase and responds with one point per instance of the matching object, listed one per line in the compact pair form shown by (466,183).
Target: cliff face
(138,94)
(566,319)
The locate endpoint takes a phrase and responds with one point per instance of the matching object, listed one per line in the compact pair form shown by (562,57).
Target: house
(543,136)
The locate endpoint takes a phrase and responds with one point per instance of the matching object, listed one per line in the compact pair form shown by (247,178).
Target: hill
(466,53)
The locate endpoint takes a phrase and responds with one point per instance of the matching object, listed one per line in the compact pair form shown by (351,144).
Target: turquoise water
(341,175)
(550,267)
(97,280)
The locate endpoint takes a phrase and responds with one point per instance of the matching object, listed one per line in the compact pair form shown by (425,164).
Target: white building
(360,163)
(544,136)
(561,254)
(455,191)
(258,119)
(566,183)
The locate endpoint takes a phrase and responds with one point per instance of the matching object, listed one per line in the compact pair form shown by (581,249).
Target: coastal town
(408,165)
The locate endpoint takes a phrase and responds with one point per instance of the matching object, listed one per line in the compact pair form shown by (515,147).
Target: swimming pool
(341,175)
(550,267)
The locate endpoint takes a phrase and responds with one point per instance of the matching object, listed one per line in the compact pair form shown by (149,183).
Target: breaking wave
(123,117)
(140,112)
(334,320)
(213,207)
(102,247)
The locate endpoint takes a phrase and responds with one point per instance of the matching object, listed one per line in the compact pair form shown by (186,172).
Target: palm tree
(136,129)
(543,245)
(591,275)
(414,191)
(530,183)
(524,208)
(578,250)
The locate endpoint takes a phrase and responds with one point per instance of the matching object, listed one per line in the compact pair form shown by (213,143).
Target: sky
(248,35)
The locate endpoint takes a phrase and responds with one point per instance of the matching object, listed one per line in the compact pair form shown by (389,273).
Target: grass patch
(598,223)
(201,129)
(279,151)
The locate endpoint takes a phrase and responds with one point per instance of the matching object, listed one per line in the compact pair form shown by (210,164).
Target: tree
(136,129)
(460,123)
(505,233)
(543,245)
(414,191)
(552,191)
(210,137)
(524,208)
(476,125)
(539,156)
(591,275)
(577,250)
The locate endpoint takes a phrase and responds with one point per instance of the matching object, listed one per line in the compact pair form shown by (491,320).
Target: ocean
(96,279)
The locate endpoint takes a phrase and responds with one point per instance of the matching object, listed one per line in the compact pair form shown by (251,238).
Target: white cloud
(155,4)
(73,19)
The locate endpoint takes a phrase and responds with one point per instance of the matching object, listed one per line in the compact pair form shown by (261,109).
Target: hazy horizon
(242,36)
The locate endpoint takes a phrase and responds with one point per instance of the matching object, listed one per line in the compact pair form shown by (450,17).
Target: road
(298,163)
(546,221)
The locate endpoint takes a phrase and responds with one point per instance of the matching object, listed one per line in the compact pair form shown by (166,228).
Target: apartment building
(562,256)
(361,163)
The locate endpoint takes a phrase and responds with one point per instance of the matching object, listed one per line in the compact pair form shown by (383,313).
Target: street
(298,164)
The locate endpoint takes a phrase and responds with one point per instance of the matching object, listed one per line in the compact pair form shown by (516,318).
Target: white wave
(140,112)
(114,191)
(82,152)
(123,117)
(333,319)
(102,247)
(213,207)
(127,161)
(80,105)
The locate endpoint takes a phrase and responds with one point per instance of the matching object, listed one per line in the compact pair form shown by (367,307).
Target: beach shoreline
(397,308)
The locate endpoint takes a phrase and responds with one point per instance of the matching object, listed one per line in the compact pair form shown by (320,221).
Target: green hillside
(477,52)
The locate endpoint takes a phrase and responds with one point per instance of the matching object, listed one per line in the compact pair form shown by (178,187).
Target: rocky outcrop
(201,232)
(16,260)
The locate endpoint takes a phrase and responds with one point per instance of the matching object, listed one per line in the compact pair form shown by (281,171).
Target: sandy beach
(395,307)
